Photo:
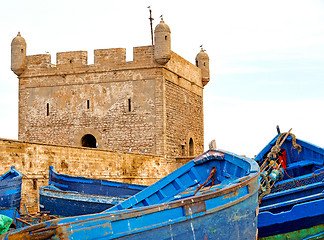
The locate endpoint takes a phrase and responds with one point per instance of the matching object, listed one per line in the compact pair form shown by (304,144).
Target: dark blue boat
(68,203)
(92,186)
(10,189)
(295,206)
(214,196)
(72,196)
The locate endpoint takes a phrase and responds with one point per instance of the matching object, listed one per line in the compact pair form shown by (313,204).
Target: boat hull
(10,189)
(237,222)
(93,186)
(301,216)
(72,196)
(63,203)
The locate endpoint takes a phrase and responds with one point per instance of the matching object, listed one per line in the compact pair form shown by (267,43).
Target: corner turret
(18,55)
(162,47)
(202,61)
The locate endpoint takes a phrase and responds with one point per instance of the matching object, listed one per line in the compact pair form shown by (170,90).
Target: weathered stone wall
(33,160)
(120,115)
(126,106)
(184,107)
(184,120)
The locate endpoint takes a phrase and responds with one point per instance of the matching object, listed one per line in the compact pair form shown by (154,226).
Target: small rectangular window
(88,104)
(47,109)
(129,105)
(35,184)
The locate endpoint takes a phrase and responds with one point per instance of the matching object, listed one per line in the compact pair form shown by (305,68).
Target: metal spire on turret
(151,23)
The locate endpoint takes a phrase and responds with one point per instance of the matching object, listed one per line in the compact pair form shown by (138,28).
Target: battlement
(111,58)
(174,67)
(40,60)
(72,58)
(180,71)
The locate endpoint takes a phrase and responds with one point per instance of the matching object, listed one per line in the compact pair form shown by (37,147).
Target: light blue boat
(170,209)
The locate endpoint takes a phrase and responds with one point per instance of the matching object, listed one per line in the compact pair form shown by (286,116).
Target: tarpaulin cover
(5,223)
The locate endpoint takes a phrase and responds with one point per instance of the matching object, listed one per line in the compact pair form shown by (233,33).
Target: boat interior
(183,182)
(307,161)
(302,180)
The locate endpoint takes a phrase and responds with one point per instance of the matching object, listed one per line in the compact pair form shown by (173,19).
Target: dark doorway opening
(89,140)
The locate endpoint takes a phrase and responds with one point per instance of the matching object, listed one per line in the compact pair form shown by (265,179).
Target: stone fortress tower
(153,104)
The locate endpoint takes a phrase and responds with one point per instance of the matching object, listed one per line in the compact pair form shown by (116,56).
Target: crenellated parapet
(113,59)
(108,59)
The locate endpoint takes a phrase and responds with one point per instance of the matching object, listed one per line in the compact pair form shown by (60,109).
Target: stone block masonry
(123,105)
(33,160)
(153,104)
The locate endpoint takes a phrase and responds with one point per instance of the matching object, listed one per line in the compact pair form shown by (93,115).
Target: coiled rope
(276,148)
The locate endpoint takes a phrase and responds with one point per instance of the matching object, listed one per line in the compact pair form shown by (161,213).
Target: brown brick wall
(108,115)
(184,120)
(33,160)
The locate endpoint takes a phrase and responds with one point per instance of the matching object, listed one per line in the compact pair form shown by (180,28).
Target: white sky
(266,57)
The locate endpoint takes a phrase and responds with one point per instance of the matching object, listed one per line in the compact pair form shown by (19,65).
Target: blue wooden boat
(70,203)
(183,205)
(10,189)
(71,196)
(92,186)
(294,209)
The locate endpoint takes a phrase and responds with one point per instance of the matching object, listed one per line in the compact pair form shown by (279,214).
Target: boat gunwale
(12,170)
(46,189)
(270,144)
(283,217)
(69,178)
